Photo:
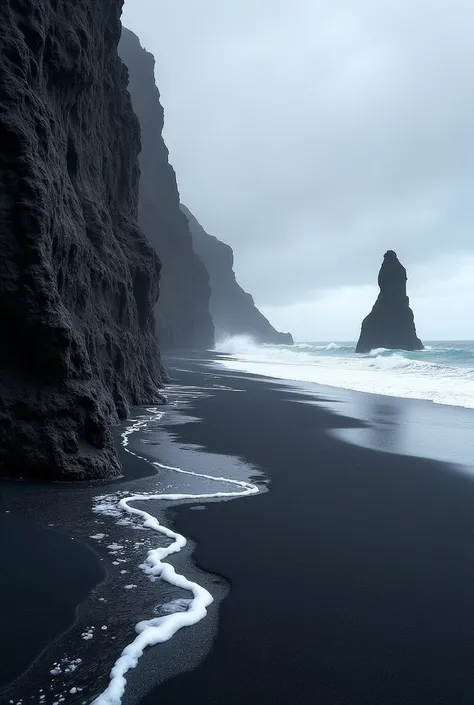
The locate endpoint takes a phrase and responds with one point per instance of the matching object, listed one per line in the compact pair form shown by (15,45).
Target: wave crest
(440,373)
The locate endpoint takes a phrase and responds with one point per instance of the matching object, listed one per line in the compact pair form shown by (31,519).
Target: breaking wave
(443,372)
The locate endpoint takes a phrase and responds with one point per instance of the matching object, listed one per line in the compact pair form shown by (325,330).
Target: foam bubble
(158,629)
(393,373)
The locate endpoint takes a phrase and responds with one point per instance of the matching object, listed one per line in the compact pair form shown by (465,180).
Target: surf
(443,373)
(158,629)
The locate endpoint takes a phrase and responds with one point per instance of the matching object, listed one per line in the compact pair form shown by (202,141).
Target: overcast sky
(312,136)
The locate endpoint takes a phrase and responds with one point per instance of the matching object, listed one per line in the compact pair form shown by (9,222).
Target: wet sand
(352,579)
(44,576)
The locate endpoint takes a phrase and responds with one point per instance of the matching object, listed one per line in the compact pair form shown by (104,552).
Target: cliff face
(78,280)
(390,324)
(182,312)
(233,310)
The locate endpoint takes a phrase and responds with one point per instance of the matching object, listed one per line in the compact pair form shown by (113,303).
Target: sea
(442,373)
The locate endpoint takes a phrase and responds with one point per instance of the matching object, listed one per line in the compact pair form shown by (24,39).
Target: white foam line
(161,629)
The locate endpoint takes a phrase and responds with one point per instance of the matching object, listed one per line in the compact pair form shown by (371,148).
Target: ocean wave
(441,373)
(379,351)
(236,344)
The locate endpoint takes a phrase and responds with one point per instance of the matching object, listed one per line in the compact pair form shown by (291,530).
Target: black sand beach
(44,576)
(352,579)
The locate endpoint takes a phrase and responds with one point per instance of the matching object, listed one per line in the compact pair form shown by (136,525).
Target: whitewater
(442,373)
(157,630)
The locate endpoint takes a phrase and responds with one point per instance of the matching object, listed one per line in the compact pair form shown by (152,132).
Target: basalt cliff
(78,279)
(390,324)
(182,311)
(233,310)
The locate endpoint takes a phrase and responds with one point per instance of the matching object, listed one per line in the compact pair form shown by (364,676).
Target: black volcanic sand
(65,610)
(352,579)
(44,576)
(47,573)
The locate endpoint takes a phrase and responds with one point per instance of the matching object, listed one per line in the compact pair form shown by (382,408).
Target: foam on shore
(159,629)
(443,374)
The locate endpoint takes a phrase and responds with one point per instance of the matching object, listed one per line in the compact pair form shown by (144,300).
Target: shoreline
(342,567)
(93,650)
(51,560)
(267,560)
(379,411)
(56,554)
(159,630)
(401,374)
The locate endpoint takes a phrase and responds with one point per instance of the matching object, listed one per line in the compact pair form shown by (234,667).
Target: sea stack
(390,324)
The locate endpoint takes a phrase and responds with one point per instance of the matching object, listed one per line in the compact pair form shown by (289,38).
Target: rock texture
(390,324)
(78,280)
(182,312)
(233,310)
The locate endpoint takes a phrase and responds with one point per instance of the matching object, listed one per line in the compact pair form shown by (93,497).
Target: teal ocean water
(452,352)
(442,373)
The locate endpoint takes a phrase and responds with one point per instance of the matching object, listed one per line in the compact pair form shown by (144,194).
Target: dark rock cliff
(233,310)
(78,280)
(182,312)
(390,324)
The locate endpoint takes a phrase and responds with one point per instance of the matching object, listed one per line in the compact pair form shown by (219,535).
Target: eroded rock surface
(78,280)
(182,311)
(390,324)
(233,309)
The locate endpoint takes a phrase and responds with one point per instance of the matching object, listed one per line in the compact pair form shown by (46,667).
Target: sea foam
(161,628)
(442,373)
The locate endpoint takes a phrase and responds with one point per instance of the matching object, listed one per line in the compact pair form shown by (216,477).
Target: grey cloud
(312,136)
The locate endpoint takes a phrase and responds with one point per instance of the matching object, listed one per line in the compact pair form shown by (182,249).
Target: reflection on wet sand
(408,427)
